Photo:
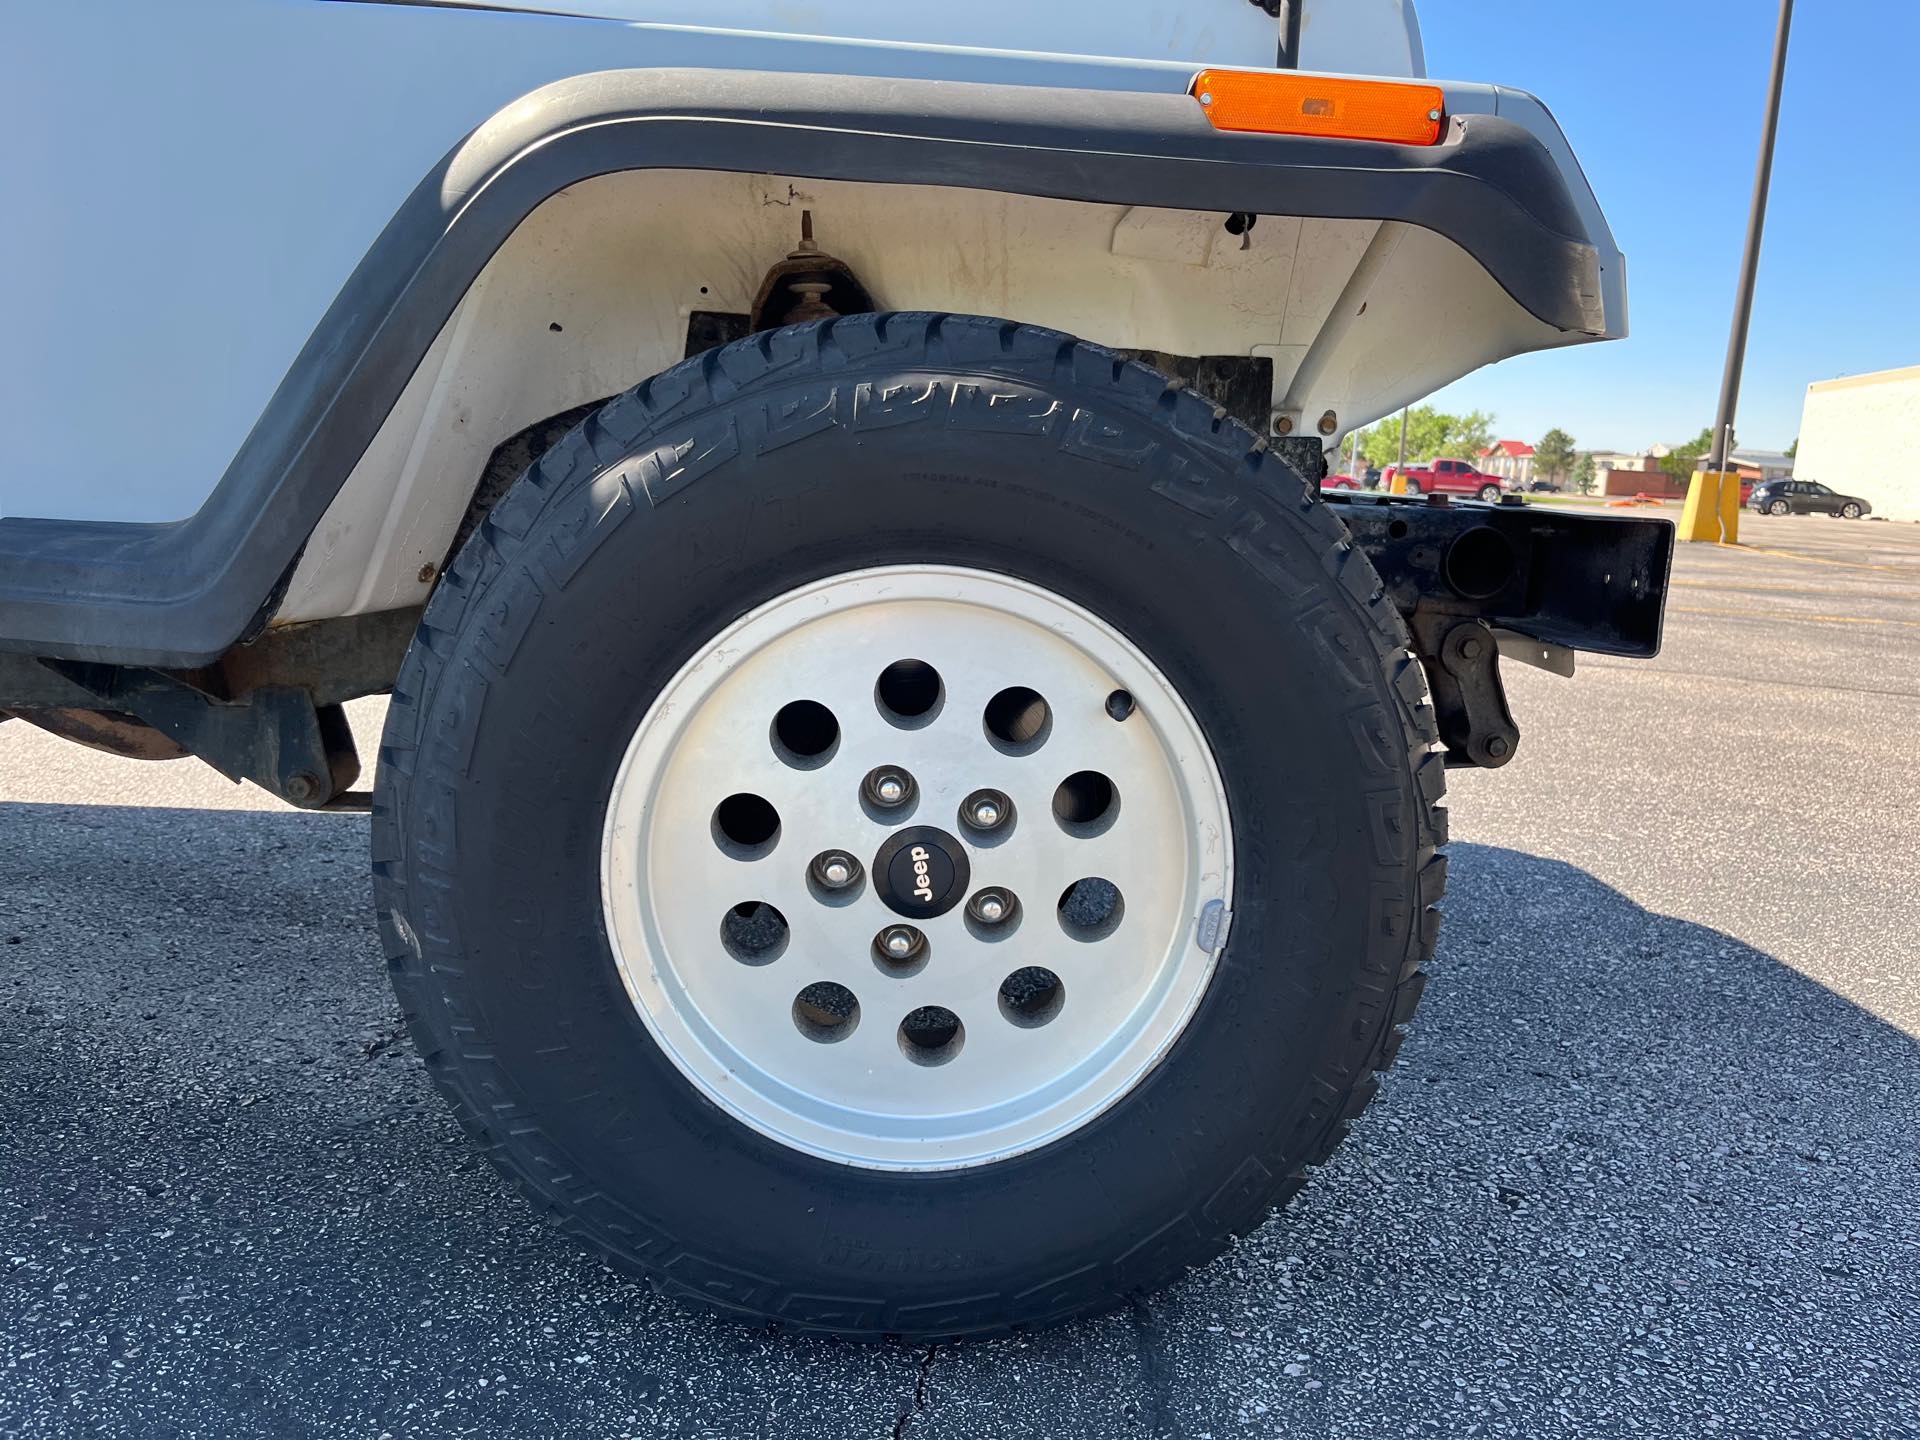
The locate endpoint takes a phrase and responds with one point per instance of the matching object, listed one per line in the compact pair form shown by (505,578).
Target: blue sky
(1662,100)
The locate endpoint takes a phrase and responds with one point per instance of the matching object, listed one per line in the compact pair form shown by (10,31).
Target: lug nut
(986,810)
(888,788)
(992,906)
(835,870)
(899,944)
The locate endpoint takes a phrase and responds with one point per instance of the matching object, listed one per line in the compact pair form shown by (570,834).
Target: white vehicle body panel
(1361,37)
(1221,31)
(203,176)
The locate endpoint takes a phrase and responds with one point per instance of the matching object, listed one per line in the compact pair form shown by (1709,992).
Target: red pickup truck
(1447,477)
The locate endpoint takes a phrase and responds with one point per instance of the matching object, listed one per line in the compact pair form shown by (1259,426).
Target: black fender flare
(180,594)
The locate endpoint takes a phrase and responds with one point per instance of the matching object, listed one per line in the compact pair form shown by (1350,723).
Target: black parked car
(1805,497)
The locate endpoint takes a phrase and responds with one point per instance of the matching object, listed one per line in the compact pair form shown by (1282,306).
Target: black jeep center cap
(921,872)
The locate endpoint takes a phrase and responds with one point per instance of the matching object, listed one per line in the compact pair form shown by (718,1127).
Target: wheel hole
(1086,803)
(931,1035)
(754,933)
(1031,996)
(746,826)
(1018,720)
(909,693)
(1090,909)
(805,734)
(826,1012)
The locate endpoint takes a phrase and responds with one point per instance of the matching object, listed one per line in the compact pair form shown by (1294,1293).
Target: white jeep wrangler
(903,809)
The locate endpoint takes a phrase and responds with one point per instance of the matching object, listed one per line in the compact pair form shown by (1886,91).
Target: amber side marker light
(1313,105)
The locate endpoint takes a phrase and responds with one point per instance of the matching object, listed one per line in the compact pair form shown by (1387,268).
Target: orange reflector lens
(1318,105)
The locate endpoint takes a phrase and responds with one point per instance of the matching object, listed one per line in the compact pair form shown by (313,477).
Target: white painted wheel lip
(688,994)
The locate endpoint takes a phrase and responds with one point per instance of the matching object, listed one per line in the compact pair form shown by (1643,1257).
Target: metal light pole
(1750,264)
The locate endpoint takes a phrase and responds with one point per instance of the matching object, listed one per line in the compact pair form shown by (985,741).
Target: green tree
(1793,450)
(1431,434)
(1681,462)
(1583,473)
(1553,456)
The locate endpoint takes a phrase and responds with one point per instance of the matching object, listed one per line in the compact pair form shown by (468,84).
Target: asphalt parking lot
(1648,1165)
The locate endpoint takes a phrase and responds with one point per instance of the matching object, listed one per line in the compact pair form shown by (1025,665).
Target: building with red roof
(1512,459)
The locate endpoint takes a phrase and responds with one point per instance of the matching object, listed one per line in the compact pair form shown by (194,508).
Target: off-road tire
(806,452)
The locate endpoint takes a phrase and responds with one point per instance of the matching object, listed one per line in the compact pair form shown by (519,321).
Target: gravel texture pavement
(1649,1164)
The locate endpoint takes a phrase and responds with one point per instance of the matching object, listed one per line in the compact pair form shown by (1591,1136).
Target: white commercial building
(1861,435)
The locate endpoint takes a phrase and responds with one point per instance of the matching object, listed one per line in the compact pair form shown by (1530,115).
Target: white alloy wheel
(916,868)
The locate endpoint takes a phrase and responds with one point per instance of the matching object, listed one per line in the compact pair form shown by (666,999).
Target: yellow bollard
(1713,508)
(1730,509)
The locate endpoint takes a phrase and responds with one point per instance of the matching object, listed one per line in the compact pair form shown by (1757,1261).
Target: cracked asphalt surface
(1648,1164)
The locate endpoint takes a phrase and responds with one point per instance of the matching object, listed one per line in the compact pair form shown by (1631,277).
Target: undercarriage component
(276,736)
(1475,582)
(268,711)
(1305,454)
(1241,385)
(1462,661)
(121,735)
(808,285)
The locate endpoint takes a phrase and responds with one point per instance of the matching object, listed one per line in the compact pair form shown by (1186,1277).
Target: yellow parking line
(1815,559)
(1756,585)
(1773,615)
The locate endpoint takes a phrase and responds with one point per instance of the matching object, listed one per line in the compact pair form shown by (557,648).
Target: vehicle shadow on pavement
(1631,1176)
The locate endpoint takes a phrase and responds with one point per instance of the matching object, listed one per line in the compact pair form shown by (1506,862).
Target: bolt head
(1473,647)
(1497,746)
(986,813)
(891,789)
(990,907)
(898,942)
(1433,115)
(1206,97)
(836,872)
